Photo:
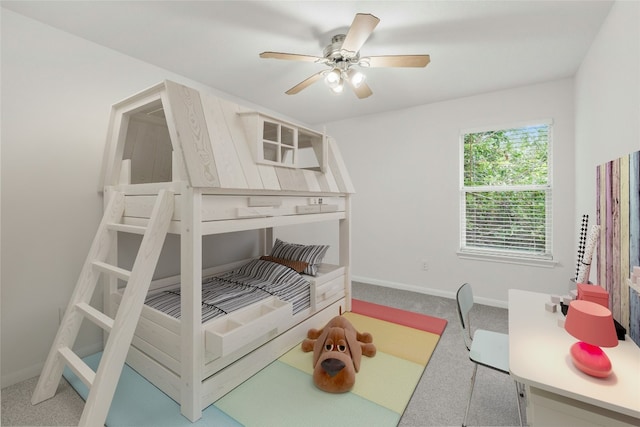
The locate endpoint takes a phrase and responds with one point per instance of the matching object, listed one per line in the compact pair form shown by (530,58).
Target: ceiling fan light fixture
(356,77)
(344,52)
(338,88)
(333,78)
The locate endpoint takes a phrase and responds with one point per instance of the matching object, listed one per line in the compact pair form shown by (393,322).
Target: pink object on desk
(593,293)
(592,324)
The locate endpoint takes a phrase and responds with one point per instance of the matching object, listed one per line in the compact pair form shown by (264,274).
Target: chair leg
(473,381)
(518,403)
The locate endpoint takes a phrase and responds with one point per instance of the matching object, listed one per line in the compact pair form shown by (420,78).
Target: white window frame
(509,256)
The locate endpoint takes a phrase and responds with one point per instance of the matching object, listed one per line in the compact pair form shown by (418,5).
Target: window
(506,193)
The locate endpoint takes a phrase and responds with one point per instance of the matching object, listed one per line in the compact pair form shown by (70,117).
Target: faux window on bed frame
(506,194)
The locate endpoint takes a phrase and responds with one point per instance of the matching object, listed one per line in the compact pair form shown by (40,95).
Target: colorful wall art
(618,214)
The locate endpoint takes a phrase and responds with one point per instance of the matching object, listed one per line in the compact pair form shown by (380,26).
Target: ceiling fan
(343,53)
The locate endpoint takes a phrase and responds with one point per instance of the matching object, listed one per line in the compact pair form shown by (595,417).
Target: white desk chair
(486,348)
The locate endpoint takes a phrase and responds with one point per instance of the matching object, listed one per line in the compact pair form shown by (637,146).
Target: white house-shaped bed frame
(223,168)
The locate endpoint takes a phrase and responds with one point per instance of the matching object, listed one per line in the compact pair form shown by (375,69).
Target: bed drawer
(254,324)
(327,292)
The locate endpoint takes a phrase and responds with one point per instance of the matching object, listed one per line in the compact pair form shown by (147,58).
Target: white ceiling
(475,46)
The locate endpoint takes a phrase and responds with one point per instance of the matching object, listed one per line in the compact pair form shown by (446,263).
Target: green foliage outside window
(506,157)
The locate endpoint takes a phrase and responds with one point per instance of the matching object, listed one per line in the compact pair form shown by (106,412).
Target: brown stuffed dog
(337,350)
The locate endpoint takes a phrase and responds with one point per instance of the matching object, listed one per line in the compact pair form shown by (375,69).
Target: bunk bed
(206,329)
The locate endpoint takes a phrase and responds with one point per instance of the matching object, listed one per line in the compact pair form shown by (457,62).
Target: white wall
(54,118)
(405,168)
(607,100)
(57,92)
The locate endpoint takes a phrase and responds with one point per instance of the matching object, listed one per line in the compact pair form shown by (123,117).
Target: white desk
(558,393)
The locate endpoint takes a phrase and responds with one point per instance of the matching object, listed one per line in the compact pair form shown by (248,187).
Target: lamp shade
(591,323)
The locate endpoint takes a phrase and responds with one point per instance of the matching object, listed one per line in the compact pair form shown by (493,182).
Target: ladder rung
(120,273)
(98,317)
(77,365)
(134,229)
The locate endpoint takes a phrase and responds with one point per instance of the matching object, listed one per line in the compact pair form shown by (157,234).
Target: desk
(557,392)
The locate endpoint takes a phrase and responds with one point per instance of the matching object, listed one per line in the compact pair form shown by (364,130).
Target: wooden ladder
(102,383)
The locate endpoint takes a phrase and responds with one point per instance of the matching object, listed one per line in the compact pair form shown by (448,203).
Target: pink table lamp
(592,324)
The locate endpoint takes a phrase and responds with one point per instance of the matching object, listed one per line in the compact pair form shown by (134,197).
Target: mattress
(246,285)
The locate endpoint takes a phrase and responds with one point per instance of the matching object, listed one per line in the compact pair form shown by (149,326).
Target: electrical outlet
(425,265)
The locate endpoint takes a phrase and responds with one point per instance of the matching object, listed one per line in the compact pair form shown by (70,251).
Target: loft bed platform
(222,213)
(229,169)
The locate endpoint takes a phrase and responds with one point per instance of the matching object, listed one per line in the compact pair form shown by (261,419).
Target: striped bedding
(254,281)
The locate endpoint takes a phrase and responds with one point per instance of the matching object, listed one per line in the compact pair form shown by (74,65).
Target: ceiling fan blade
(360,30)
(362,91)
(290,56)
(396,61)
(305,83)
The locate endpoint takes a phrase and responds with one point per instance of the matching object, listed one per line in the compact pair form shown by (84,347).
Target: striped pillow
(311,254)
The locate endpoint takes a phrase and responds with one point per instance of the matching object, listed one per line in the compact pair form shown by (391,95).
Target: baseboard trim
(35,370)
(424,290)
